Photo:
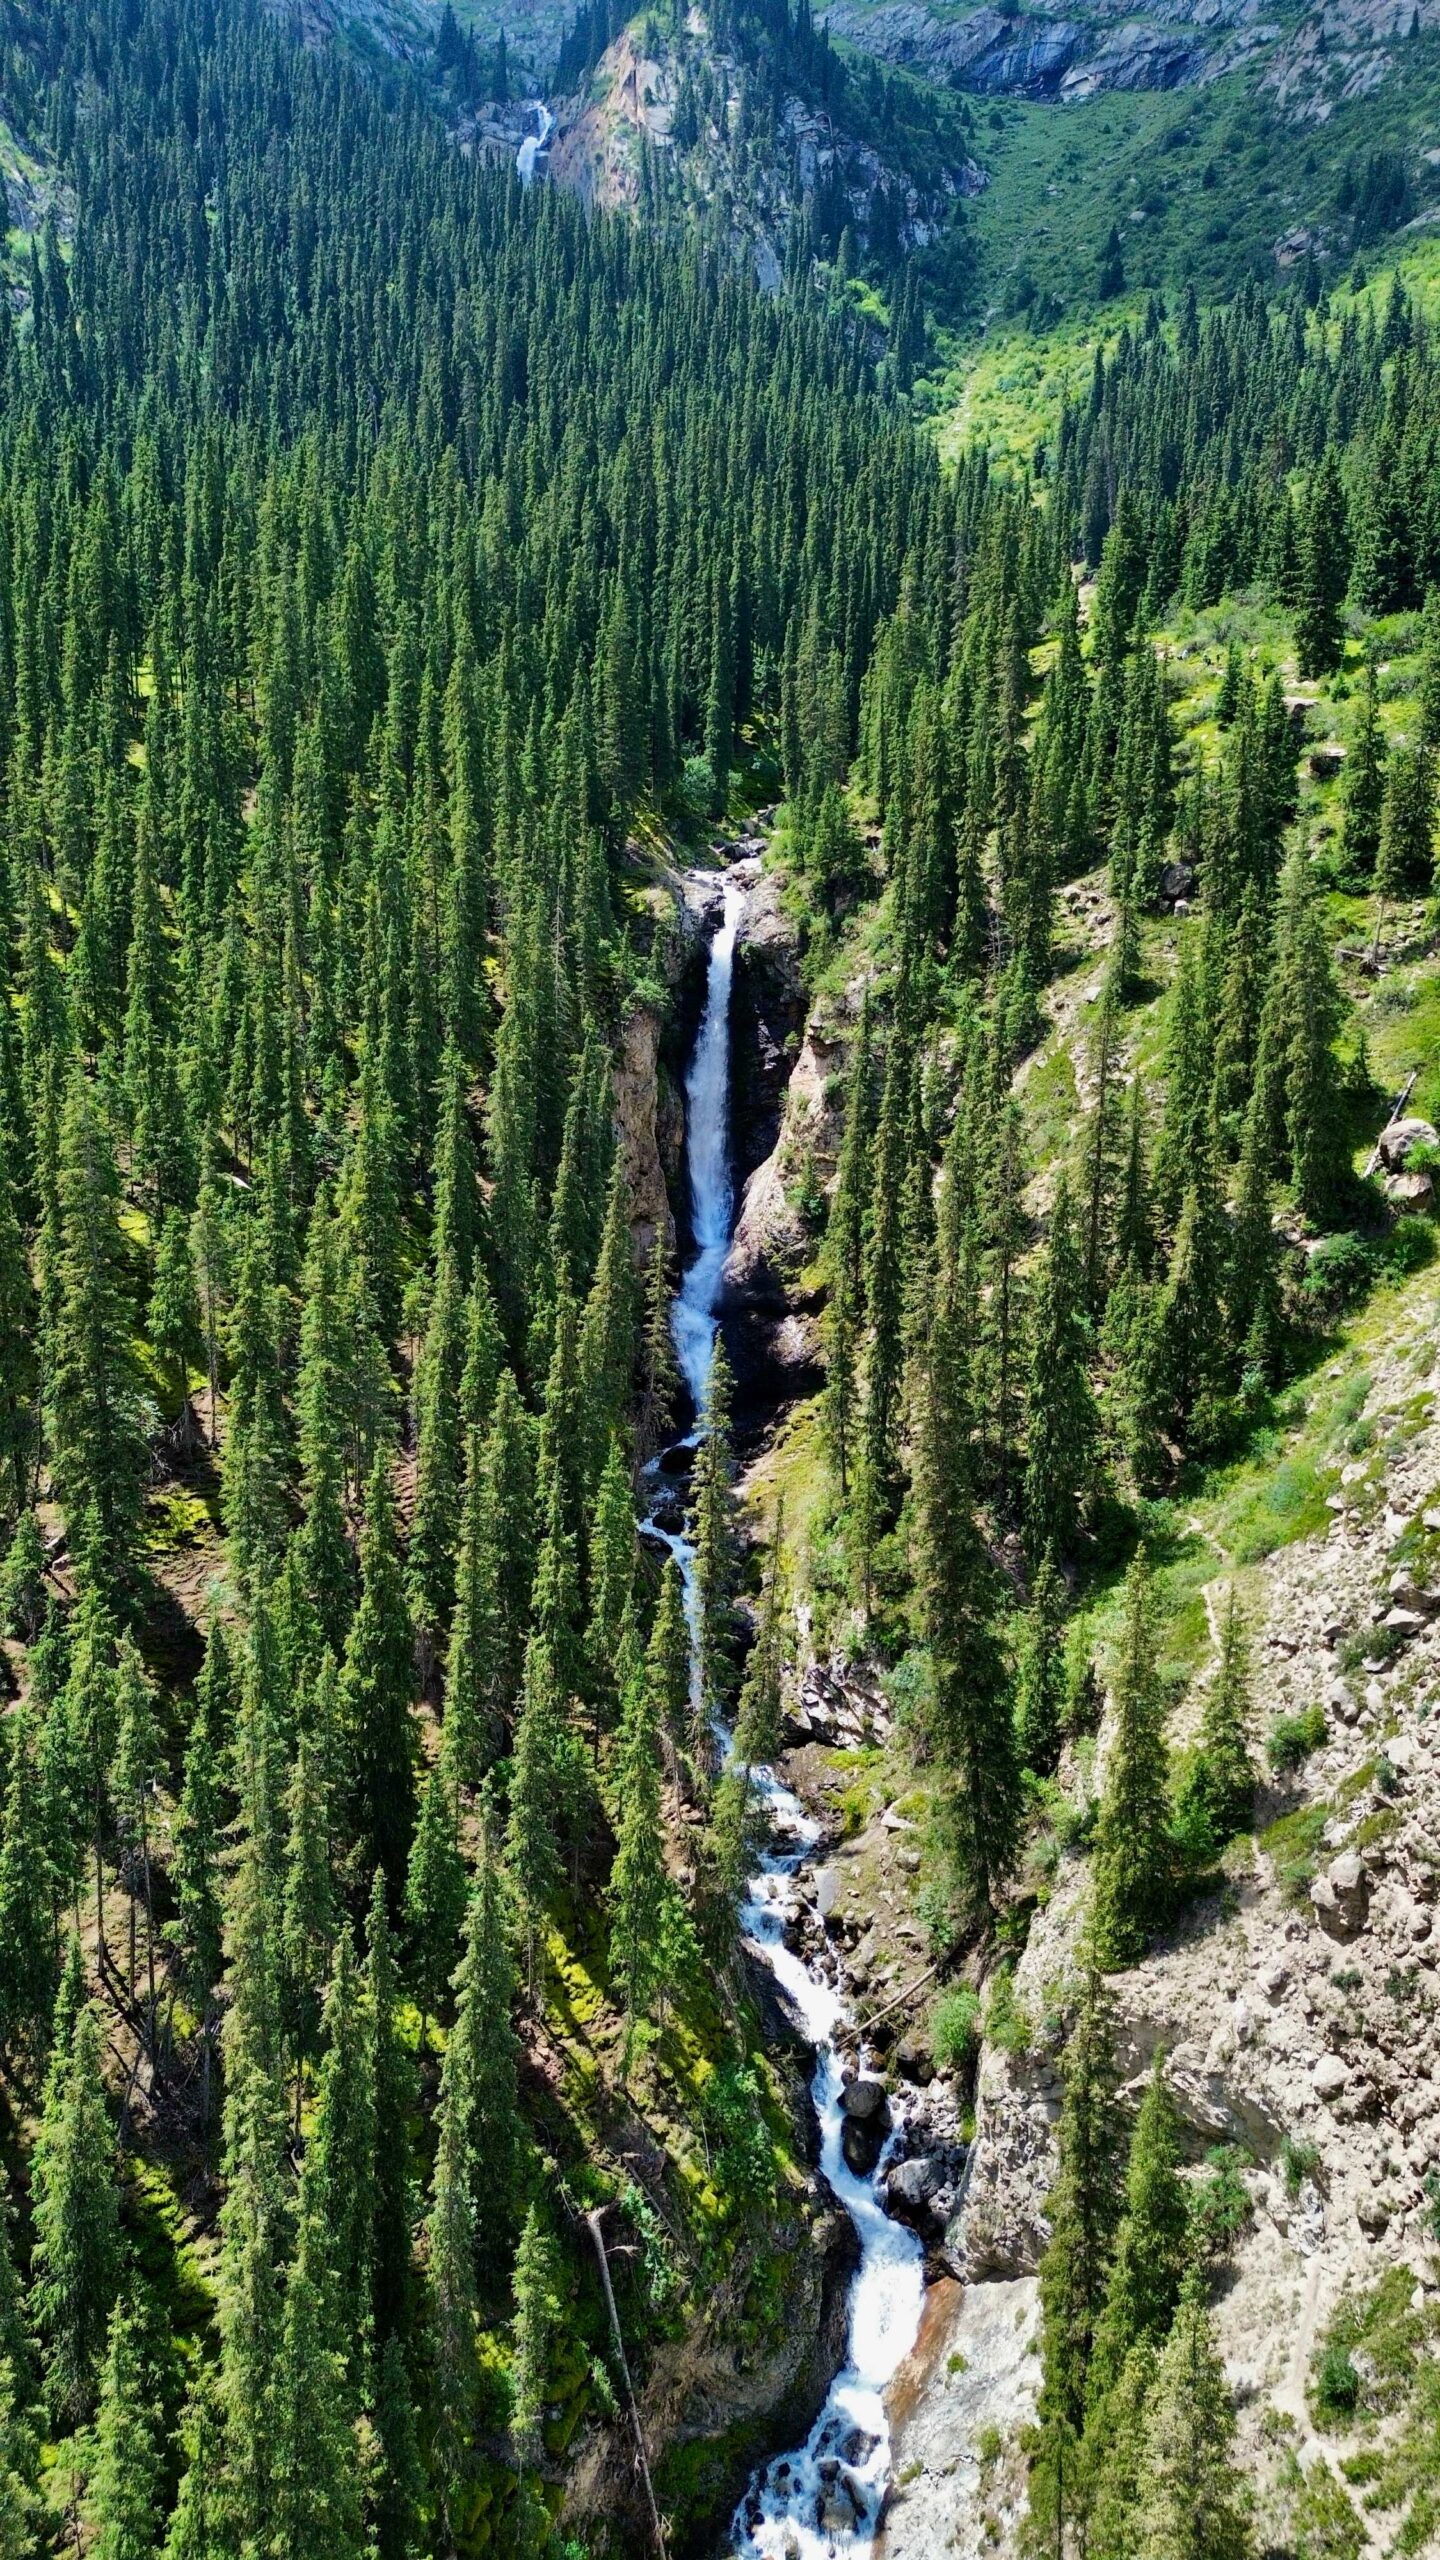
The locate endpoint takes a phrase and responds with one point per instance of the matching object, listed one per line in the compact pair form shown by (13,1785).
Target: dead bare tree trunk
(598,2236)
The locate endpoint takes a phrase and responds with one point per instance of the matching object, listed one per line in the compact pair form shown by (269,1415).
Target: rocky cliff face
(634,106)
(1053,50)
(1299,2008)
(1298,2005)
(770,1324)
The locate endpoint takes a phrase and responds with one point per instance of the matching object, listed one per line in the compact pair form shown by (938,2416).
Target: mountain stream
(823,2500)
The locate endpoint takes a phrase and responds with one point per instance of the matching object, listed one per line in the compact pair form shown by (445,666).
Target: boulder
(864,2100)
(921,2193)
(1413,1193)
(915,2061)
(1341,1896)
(865,2125)
(1408,1593)
(1397,1144)
(1331,2078)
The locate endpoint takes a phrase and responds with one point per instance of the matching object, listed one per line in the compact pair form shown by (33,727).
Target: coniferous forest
(402,572)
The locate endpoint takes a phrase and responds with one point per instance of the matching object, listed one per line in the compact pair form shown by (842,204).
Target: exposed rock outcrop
(956,2415)
(770,1320)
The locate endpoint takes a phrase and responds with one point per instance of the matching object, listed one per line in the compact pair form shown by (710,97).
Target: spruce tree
(1226,1771)
(340,2159)
(316,2476)
(434,1899)
(434,1528)
(133,1779)
(637,1878)
(1324,573)
(75,2271)
(1405,857)
(391,2251)
(713,1531)
(532,1839)
(200,2527)
(195,1882)
(1152,2247)
(28,1943)
(844,1250)
(537,2312)
(376,1690)
(1364,792)
(1131,1867)
(1190,2505)
(92,1409)
(1061,1421)
(970,1724)
(1083,2213)
(174,1319)
(1040,1674)
(1298,1093)
(659,1370)
(613,1558)
(125,2482)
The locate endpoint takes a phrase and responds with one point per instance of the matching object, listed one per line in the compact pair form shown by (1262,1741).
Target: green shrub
(1298,2161)
(1220,2204)
(1007,2026)
(1336,2393)
(1410,1243)
(1326,2525)
(1291,1739)
(1339,1271)
(955,2027)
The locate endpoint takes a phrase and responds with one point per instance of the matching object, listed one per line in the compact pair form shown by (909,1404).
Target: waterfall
(823,2500)
(527,157)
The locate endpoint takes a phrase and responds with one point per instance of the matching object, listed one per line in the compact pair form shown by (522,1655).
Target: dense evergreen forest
(389,559)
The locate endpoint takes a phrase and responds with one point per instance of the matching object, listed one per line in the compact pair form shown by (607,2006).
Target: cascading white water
(530,149)
(824,2499)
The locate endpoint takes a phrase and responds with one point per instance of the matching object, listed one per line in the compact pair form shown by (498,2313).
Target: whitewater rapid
(823,2500)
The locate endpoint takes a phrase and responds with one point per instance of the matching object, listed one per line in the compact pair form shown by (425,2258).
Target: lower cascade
(824,2498)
